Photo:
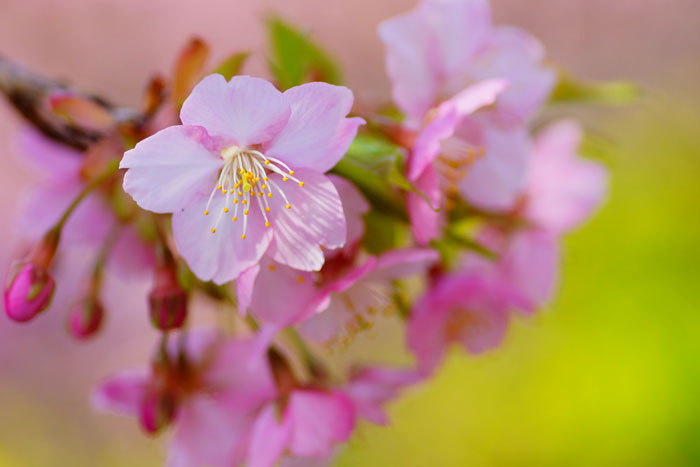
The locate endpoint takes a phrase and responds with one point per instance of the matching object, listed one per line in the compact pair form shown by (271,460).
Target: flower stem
(111,169)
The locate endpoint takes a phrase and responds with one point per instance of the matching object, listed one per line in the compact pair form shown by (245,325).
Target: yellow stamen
(289,206)
(267,209)
(284,179)
(213,230)
(300,279)
(267,224)
(234,218)
(301,183)
(271,267)
(291,172)
(206,213)
(269,195)
(245,201)
(245,212)
(218,187)
(225,209)
(235,201)
(243,237)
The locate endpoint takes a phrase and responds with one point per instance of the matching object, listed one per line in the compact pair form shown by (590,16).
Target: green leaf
(232,65)
(569,89)
(370,164)
(295,58)
(383,232)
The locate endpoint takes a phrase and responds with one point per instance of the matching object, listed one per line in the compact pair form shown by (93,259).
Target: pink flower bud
(168,306)
(157,411)
(85,319)
(28,291)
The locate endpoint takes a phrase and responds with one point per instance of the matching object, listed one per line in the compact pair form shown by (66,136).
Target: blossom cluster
(281,205)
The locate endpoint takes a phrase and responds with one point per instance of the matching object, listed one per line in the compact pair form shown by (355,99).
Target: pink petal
(516,55)
(122,393)
(245,285)
(563,188)
(315,219)
(354,208)
(372,387)
(169,169)
(447,117)
(327,324)
(244,111)
(460,29)
(318,420)
(496,179)
(532,262)
(269,439)
(317,134)
(281,295)
(241,375)
(411,63)
(404,262)
(223,255)
(424,218)
(208,433)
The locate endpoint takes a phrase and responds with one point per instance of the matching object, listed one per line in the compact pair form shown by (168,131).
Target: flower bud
(28,291)
(168,305)
(157,411)
(85,319)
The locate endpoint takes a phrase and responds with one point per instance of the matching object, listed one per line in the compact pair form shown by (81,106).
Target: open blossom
(465,308)
(211,400)
(61,170)
(244,174)
(438,54)
(562,190)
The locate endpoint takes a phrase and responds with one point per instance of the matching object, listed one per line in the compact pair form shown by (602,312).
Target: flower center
(244,178)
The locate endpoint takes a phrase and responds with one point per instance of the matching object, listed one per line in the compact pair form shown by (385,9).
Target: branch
(28,92)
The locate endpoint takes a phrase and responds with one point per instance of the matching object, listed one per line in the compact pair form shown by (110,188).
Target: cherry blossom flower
(211,400)
(562,189)
(438,54)
(244,174)
(465,308)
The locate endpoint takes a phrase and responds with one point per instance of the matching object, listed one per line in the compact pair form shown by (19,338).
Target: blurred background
(608,375)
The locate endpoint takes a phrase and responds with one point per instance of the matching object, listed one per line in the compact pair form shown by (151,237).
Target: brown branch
(28,93)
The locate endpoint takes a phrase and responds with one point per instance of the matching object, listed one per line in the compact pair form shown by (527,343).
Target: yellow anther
(300,279)
(271,267)
(219,187)
(225,209)
(245,201)
(269,195)
(289,206)
(206,213)
(267,224)
(243,237)
(284,179)
(234,218)
(257,179)
(265,178)
(267,162)
(260,193)
(291,172)
(301,183)
(213,230)
(245,212)
(240,193)
(223,192)
(267,209)
(235,201)
(264,186)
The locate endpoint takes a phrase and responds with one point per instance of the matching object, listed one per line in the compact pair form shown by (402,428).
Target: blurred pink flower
(308,425)
(340,299)
(93,219)
(465,308)
(211,400)
(245,139)
(443,46)
(370,388)
(562,189)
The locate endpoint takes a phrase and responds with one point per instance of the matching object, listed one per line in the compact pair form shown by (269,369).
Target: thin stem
(111,169)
